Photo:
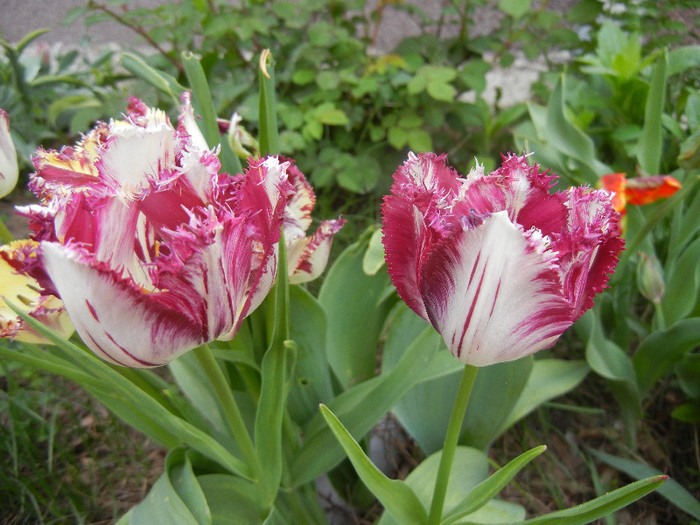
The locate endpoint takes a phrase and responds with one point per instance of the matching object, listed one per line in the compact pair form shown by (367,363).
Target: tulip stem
(464,391)
(231,411)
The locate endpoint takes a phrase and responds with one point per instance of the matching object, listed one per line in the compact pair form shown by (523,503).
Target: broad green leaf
(650,143)
(549,378)
(396,496)
(312,377)
(496,392)
(605,357)
(601,506)
(569,139)
(176,497)
(195,385)
(671,489)
(682,283)
(71,103)
(232,500)
(469,469)
(488,489)
(662,349)
(353,299)
(361,406)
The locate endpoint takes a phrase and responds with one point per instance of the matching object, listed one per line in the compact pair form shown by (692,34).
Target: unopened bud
(650,278)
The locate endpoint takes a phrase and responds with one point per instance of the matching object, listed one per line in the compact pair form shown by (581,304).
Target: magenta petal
(493,293)
(590,247)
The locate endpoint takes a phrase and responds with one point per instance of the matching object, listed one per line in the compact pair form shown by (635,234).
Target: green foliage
(339,100)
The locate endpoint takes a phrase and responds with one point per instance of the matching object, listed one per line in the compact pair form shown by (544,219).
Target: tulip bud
(242,143)
(9,171)
(650,278)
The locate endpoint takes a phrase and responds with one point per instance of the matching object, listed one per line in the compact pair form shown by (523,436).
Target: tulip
(22,291)
(638,190)
(496,263)
(152,250)
(9,172)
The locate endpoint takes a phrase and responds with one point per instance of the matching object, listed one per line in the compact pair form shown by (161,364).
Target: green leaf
(549,378)
(202,102)
(569,139)
(176,496)
(135,406)
(470,468)
(396,497)
(601,506)
(662,349)
(650,143)
(682,283)
(420,141)
(488,489)
(671,490)
(496,392)
(333,117)
(232,500)
(441,91)
(397,137)
(274,387)
(514,8)
(605,357)
(161,81)
(373,259)
(351,298)
(682,59)
(312,376)
(195,385)
(361,406)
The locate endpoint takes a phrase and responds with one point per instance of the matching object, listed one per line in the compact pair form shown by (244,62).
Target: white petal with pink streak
(493,289)
(116,321)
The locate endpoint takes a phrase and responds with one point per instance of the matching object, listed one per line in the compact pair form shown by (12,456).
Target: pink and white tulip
(496,263)
(152,250)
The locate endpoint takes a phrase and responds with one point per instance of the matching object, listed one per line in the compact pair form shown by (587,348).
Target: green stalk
(231,411)
(269,137)
(464,392)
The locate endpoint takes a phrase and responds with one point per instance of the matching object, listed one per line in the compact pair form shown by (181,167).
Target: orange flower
(638,190)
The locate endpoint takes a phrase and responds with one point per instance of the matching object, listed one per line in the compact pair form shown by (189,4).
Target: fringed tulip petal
(307,257)
(499,265)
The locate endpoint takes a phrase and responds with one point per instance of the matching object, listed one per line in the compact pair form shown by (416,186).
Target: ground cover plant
(242,417)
